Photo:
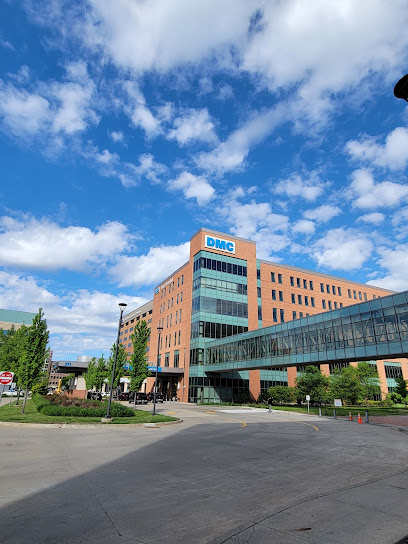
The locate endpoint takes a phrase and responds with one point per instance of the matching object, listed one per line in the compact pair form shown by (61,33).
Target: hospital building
(224,290)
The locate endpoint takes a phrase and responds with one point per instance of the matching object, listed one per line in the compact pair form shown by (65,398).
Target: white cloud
(303,227)
(151,268)
(323,213)
(193,126)
(149,168)
(77,320)
(44,245)
(225,92)
(231,154)
(255,221)
(342,249)
(23,113)
(139,113)
(308,188)
(116,135)
(372,218)
(393,154)
(367,194)
(193,187)
(395,261)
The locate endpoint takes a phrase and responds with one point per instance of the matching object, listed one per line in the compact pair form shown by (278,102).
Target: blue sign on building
(218,243)
(153,369)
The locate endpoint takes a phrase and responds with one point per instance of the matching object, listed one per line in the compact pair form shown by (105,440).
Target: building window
(165,346)
(330,305)
(322,287)
(312,301)
(293,298)
(258,292)
(333,289)
(282,316)
(339,291)
(182,279)
(273,294)
(167,322)
(281,296)
(293,315)
(365,297)
(328,289)
(335,305)
(279,278)
(300,314)
(179,338)
(299,299)
(175,337)
(341,305)
(172,302)
(349,293)
(292,281)
(297,282)
(311,285)
(176,317)
(258,274)
(178,282)
(169,340)
(355,294)
(324,304)
(167,359)
(273,277)
(274,315)
(306,301)
(304,284)
(176,359)
(180,316)
(359,296)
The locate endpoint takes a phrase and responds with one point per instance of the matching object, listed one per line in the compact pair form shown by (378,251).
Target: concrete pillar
(255,384)
(292,373)
(325,370)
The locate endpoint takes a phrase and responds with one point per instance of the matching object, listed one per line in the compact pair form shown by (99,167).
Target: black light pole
(122,307)
(157,370)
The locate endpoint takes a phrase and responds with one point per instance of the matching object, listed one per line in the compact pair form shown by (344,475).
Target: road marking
(310,425)
(209,412)
(171,413)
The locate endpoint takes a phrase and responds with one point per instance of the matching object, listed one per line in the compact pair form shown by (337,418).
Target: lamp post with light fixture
(122,306)
(157,369)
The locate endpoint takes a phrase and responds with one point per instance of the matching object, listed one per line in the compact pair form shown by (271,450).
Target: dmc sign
(220,244)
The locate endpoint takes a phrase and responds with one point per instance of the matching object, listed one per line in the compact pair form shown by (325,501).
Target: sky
(126,126)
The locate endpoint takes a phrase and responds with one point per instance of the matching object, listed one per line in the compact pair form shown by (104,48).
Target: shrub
(66,406)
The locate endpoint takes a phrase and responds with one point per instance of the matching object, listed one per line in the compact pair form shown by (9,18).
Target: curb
(88,425)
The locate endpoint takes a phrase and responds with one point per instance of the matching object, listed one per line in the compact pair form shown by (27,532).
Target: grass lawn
(13,413)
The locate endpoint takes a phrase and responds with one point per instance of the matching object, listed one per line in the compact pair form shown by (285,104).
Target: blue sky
(125,126)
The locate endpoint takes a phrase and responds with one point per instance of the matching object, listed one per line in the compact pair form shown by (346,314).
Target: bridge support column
(255,384)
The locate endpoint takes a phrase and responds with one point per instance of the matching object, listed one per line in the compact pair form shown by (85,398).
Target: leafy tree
(121,362)
(312,382)
(368,377)
(34,355)
(90,374)
(281,394)
(100,374)
(401,388)
(66,379)
(346,385)
(138,360)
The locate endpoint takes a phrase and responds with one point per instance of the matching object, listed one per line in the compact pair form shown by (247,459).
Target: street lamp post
(157,369)
(122,306)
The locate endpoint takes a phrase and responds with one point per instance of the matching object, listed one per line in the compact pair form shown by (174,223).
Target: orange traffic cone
(350,417)
(359,418)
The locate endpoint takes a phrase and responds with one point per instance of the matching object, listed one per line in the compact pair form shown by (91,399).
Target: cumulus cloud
(374,218)
(323,213)
(308,188)
(395,262)
(138,111)
(193,125)
(116,135)
(393,154)
(304,227)
(151,268)
(193,187)
(78,320)
(342,249)
(366,193)
(44,245)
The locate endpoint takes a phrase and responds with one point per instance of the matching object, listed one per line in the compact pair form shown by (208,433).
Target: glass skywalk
(368,330)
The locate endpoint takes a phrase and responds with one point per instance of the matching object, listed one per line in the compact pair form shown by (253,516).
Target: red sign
(6,378)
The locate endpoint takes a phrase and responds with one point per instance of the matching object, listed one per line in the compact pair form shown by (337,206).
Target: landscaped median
(63,409)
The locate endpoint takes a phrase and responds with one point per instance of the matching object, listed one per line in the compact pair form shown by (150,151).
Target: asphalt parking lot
(222,476)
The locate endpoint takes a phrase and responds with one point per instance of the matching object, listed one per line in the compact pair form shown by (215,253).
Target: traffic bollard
(367,419)
(334,414)
(320,412)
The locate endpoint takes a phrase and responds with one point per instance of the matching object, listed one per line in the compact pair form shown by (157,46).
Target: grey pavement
(222,476)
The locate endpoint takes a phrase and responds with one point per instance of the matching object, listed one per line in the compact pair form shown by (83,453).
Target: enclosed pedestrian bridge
(366,331)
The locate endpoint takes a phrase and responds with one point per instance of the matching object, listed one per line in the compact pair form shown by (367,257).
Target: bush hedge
(92,409)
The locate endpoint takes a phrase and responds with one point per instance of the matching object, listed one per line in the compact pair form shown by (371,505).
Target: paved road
(219,477)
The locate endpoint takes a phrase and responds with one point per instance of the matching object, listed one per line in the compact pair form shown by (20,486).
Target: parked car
(141,398)
(123,396)
(159,397)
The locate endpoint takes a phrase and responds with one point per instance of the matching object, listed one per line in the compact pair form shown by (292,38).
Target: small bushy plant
(66,406)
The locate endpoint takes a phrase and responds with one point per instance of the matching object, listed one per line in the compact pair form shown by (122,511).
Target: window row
(220,266)
(306,300)
(138,318)
(227,286)
(169,288)
(168,339)
(330,305)
(330,289)
(170,302)
(273,277)
(301,314)
(208,329)
(392,371)
(169,319)
(300,282)
(220,306)
(360,295)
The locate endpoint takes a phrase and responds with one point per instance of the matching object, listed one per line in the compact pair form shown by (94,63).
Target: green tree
(33,358)
(368,377)
(90,374)
(401,387)
(121,362)
(312,382)
(346,385)
(138,360)
(282,394)
(101,373)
